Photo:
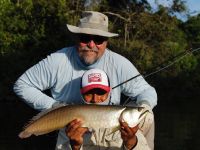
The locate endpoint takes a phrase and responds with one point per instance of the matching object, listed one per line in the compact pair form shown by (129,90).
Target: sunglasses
(96,91)
(98,40)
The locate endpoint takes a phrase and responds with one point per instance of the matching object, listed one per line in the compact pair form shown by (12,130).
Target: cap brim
(75,29)
(94,86)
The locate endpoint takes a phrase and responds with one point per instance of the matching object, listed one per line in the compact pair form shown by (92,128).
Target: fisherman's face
(91,48)
(95,96)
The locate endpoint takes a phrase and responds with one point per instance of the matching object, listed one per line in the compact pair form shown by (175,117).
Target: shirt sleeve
(38,78)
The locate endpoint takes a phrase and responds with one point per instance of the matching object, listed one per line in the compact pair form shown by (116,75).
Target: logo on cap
(94,77)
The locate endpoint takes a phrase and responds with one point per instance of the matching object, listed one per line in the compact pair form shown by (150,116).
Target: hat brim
(94,86)
(79,30)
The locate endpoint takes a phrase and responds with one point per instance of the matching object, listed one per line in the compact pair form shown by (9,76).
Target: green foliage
(12,27)
(34,24)
(178,6)
(192,29)
(151,39)
(29,30)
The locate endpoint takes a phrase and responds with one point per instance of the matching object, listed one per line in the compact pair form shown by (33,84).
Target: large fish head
(132,116)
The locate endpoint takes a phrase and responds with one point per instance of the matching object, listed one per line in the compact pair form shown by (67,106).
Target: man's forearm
(33,96)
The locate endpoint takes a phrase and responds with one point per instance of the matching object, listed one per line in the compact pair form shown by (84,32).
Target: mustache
(84,49)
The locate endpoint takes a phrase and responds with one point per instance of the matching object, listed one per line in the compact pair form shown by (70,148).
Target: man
(95,89)
(61,71)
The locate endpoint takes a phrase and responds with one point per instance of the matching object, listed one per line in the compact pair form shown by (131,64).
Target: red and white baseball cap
(94,78)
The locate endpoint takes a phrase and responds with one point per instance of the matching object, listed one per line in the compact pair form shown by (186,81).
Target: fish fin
(41,133)
(113,130)
(143,115)
(39,115)
(90,129)
(24,134)
(95,135)
(42,113)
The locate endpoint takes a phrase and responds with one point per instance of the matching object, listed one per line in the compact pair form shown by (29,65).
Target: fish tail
(24,134)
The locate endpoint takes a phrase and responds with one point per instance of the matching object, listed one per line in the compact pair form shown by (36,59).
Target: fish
(93,117)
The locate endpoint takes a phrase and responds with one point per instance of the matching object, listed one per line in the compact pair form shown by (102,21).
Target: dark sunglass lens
(102,92)
(85,38)
(99,40)
(97,91)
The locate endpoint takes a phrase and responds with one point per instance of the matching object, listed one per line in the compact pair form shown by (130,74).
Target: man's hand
(128,135)
(75,133)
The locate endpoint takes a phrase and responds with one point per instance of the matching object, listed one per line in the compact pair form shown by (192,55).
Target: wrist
(131,143)
(76,147)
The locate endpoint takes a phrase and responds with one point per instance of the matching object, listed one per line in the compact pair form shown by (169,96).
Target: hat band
(93,26)
(93,86)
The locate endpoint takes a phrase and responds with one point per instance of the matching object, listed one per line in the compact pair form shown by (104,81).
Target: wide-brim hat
(94,78)
(94,23)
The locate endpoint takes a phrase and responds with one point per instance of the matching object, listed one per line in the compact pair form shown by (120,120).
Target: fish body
(92,116)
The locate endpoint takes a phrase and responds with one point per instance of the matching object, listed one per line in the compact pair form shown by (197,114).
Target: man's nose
(95,98)
(91,44)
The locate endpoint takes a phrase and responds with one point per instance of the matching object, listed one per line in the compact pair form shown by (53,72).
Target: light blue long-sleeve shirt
(61,73)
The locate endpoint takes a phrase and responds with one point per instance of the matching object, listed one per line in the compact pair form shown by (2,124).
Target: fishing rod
(163,66)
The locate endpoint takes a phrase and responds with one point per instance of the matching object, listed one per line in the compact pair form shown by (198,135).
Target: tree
(12,27)
(192,30)
(149,38)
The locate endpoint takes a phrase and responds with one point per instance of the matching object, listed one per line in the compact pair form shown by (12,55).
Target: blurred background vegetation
(32,29)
